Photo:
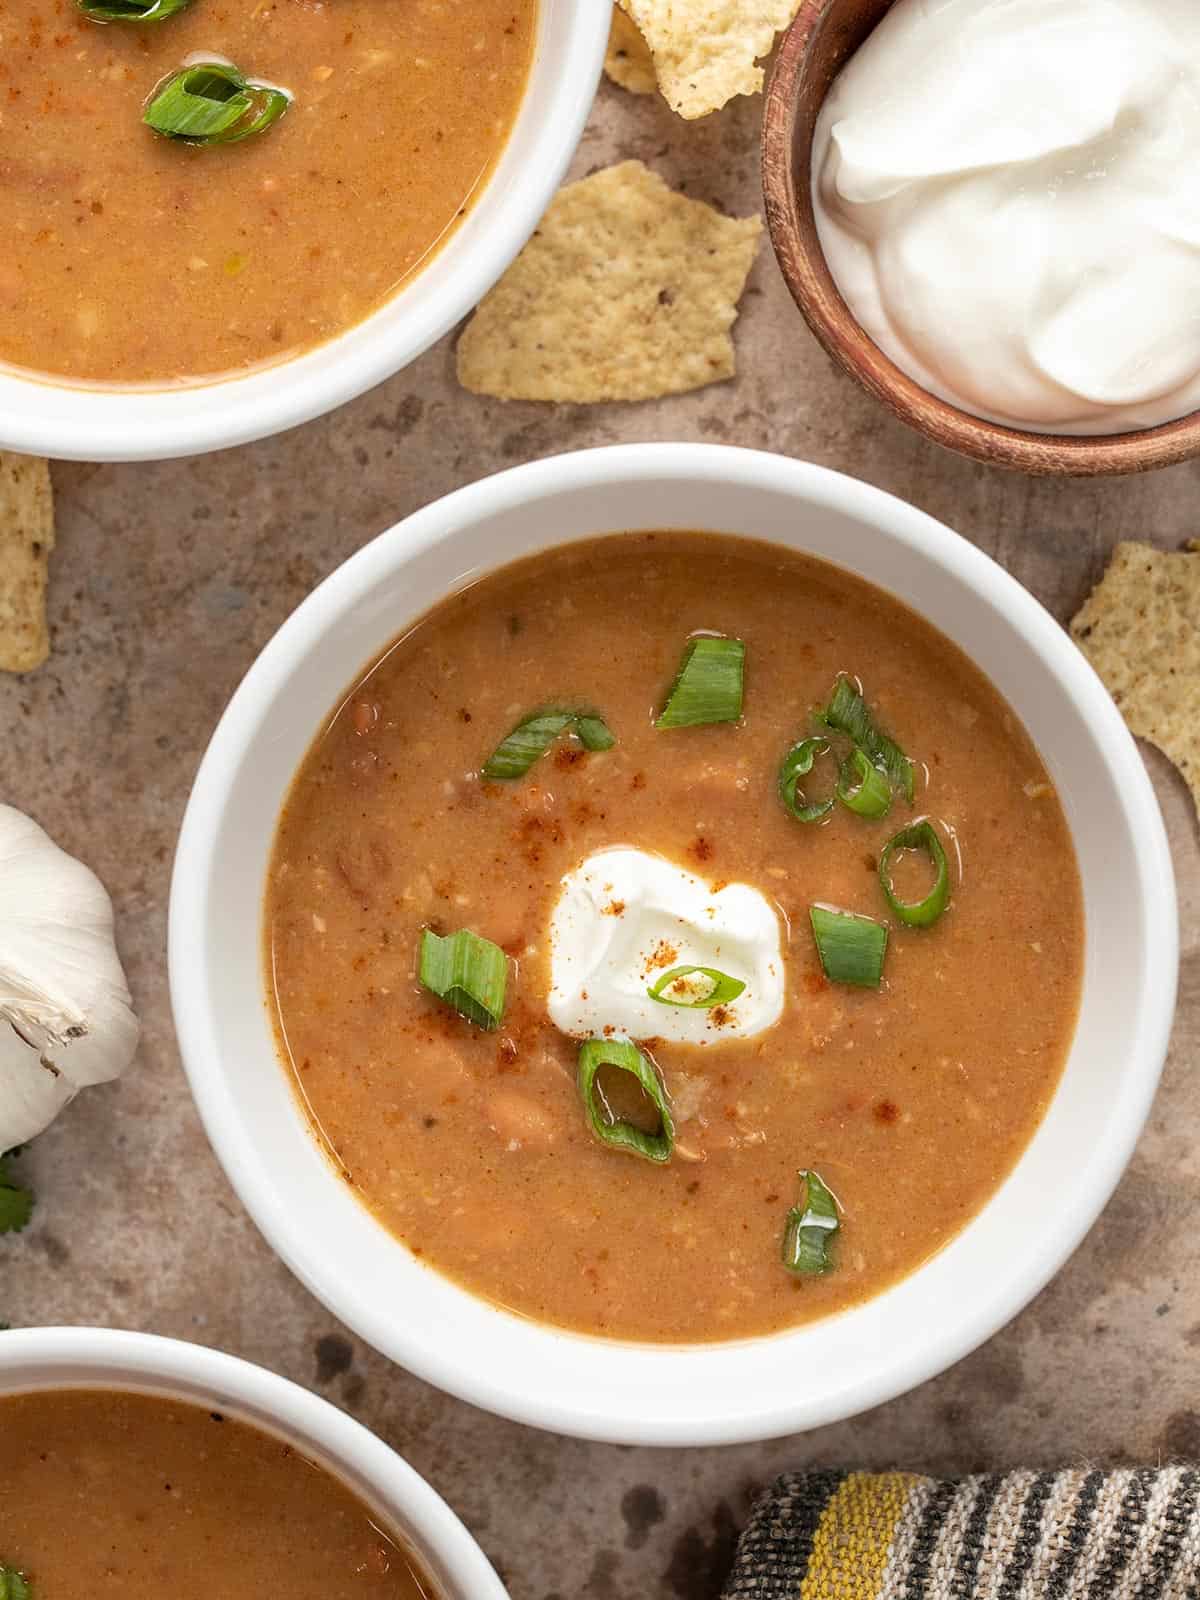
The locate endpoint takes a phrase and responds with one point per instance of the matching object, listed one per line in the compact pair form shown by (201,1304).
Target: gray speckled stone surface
(167,580)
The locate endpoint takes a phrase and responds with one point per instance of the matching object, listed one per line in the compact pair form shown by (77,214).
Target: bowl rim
(69,422)
(516,490)
(838,331)
(113,1358)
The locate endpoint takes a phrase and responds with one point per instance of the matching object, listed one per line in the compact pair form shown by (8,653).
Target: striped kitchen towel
(1132,1534)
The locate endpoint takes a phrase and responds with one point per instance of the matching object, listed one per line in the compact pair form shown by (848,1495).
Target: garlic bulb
(65,1016)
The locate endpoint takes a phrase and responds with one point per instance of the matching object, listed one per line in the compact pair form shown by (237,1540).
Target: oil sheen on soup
(134,258)
(115,1494)
(829,1078)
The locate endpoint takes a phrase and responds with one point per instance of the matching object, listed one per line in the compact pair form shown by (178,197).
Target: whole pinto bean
(521,1121)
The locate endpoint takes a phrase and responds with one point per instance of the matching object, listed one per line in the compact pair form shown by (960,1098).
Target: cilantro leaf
(16,1208)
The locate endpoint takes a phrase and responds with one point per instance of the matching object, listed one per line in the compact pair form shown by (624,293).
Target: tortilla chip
(627,291)
(705,50)
(1141,631)
(629,61)
(26,539)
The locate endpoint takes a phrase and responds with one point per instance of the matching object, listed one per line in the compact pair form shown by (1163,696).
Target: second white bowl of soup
(721,912)
(167,297)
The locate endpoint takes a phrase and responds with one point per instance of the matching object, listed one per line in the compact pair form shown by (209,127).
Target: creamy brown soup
(912,1101)
(133,258)
(114,1494)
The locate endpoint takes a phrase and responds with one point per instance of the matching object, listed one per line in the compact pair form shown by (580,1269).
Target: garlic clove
(65,1014)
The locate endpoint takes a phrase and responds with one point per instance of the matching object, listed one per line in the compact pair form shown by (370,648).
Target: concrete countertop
(167,580)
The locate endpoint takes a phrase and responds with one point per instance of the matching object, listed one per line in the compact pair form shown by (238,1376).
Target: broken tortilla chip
(628,61)
(26,539)
(706,51)
(627,291)
(1141,631)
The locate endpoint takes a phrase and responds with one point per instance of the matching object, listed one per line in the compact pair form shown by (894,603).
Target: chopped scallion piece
(862,788)
(467,972)
(851,947)
(212,103)
(797,764)
(848,713)
(698,988)
(708,685)
(917,913)
(606,1125)
(811,1228)
(533,736)
(13,1584)
(594,733)
(129,11)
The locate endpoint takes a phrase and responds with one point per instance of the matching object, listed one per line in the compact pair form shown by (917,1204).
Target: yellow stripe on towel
(851,1545)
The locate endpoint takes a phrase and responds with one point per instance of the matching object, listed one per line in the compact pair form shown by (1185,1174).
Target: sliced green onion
(797,764)
(467,972)
(917,913)
(811,1228)
(708,685)
(696,987)
(848,713)
(862,788)
(13,1584)
(212,103)
(594,733)
(606,1125)
(851,947)
(129,11)
(533,736)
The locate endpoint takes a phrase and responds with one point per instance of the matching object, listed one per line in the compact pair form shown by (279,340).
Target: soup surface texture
(133,258)
(109,1493)
(912,1101)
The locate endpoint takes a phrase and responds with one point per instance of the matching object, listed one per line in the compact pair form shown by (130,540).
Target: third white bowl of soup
(147,1466)
(695,950)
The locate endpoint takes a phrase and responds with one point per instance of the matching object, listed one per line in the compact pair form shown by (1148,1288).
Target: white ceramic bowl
(643,1393)
(103,1358)
(44,417)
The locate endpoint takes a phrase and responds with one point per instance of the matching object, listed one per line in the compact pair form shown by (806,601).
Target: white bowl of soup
(673,945)
(163,297)
(168,1463)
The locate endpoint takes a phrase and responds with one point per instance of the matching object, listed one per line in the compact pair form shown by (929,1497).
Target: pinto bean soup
(108,1493)
(134,257)
(878,1036)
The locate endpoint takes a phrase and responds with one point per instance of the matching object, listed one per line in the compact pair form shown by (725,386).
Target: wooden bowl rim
(812,287)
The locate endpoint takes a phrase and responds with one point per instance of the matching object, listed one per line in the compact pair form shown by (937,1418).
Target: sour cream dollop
(624,918)
(1008,197)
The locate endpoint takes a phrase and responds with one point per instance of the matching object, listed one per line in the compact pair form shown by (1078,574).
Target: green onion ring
(862,788)
(811,1229)
(851,947)
(609,1129)
(848,713)
(593,732)
(722,991)
(533,736)
(129,11)
(211,103)
(708,685)
(467,972)
(917,913)
(797,764)
(13,1584)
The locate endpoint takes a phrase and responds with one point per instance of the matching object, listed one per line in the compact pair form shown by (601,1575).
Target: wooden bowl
(814,49)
